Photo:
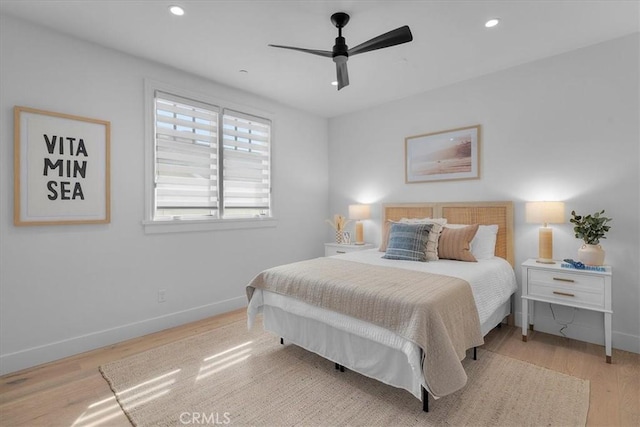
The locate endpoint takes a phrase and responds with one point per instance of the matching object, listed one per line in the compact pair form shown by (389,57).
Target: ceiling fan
(341,51)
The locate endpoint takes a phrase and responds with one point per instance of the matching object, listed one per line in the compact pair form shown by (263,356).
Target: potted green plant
(590,228)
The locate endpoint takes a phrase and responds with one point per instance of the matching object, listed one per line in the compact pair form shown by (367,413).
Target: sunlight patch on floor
(98,413)
(206,373)
(228,351)
(233,356)
(139,398)
(102,411)
(225,359)
(158,378)
(84,419)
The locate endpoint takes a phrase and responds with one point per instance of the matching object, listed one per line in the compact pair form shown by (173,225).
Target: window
(209,163)
(245,157)
(186,156)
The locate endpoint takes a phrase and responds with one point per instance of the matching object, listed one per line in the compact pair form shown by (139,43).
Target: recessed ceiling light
(176,10)
(334,83)
(492,23)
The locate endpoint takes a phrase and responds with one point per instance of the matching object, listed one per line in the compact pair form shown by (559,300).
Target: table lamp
(359,212)
(545,213)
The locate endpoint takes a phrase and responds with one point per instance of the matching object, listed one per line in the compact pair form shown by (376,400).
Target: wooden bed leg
(337,367)
(499,325)
(425,400)
(475,353)
(281,340)
(341,368)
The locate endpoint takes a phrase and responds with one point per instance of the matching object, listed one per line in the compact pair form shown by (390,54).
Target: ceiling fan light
(340,59)
(176,10)
(492,22)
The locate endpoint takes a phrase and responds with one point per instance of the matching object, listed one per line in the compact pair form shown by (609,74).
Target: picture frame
(452,154)
(61,168)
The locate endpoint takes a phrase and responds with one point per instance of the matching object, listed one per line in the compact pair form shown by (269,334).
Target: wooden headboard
(484,213)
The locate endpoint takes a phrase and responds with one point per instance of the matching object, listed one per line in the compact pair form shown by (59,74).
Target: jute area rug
(239,377)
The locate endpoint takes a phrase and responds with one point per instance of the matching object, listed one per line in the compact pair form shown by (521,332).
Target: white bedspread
(492,283)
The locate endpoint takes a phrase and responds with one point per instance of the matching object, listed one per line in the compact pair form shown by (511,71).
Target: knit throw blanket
(436,312)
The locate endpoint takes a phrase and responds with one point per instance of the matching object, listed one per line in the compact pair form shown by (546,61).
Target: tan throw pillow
(455,243)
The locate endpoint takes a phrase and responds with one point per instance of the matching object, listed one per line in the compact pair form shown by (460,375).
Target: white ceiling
(218,38)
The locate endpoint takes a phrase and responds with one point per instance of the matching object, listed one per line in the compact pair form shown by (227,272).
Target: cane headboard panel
(484,213)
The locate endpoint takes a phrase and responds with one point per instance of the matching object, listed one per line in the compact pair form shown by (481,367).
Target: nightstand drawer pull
(340,252)
(563,293)
(560,279)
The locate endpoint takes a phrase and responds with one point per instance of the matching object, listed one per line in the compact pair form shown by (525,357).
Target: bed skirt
(360,346)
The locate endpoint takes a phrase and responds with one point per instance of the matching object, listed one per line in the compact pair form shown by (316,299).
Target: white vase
(591,254)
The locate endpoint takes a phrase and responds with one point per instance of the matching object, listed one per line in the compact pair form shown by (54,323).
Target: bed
(370,345)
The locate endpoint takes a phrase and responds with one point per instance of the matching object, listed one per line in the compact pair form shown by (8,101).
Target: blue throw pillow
(408,242)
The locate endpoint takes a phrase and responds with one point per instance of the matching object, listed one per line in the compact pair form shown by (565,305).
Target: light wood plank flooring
(71,391)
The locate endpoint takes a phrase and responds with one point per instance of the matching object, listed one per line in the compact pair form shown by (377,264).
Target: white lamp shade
(545,212)
(359,212)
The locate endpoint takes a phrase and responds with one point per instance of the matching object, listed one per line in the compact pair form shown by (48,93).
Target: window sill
(183,226)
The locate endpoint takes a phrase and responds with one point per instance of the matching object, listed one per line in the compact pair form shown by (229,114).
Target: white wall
(547,126)
(562,128)
(66,289)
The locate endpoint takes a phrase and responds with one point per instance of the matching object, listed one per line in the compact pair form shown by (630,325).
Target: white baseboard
(584,332)
(626,342)
(34,356)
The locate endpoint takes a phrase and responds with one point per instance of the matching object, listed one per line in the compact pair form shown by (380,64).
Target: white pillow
(483,245)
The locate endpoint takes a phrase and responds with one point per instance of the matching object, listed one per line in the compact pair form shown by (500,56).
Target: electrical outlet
(162,297)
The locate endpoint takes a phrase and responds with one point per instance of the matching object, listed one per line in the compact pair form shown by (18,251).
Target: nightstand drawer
(571,281)
(567,288)
(567,295)
(331,249)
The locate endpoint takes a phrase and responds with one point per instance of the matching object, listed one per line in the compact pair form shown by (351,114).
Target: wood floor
(71,391)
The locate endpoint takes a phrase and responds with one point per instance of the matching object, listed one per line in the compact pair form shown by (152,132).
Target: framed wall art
(440,156)
(61,168)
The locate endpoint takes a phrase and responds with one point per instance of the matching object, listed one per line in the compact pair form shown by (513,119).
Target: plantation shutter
(246,165)
(186,157)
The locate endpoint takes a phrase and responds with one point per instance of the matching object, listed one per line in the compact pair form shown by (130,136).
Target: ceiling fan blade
(326,53)
(392,38)
(343,74)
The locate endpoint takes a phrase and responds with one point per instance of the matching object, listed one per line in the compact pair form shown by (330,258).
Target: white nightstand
(339,248)
(586,289)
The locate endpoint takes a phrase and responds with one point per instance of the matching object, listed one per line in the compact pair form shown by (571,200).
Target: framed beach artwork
(61,168)
(440,156)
